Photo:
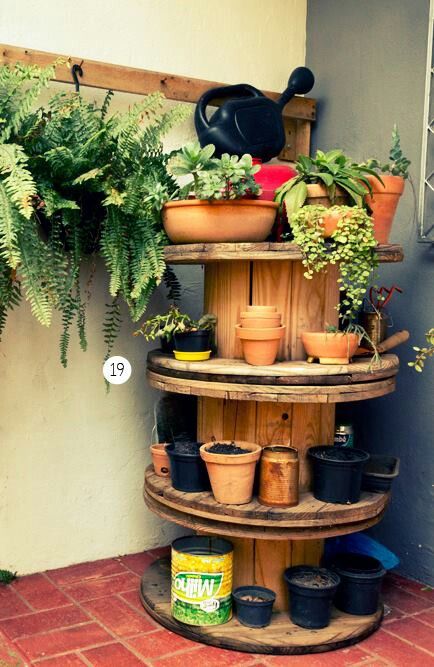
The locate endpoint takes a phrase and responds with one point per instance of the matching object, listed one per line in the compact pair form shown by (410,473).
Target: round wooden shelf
(203,253)
(286,381)
(281,637)
(310,518)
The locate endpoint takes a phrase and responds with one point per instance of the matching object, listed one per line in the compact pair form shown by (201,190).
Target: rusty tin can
(278,476)
(375,326)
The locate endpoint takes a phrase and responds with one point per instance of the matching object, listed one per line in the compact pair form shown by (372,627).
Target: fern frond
(18,180)
(33,270)
(11,221)
(111,325)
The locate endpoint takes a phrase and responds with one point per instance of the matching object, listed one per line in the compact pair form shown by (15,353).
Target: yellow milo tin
(202,580)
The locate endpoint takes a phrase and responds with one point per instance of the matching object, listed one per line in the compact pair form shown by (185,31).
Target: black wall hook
(76,72)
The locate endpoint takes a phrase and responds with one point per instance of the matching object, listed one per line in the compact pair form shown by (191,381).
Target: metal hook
(76,71)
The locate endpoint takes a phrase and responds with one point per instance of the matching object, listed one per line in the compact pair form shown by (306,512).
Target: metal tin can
(375,326)
(278,476)
(202,580)
(344,435)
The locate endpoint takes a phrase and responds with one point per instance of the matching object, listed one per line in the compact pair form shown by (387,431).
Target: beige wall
(71,457)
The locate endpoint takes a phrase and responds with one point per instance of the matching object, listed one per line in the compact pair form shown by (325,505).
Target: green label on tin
(198,588)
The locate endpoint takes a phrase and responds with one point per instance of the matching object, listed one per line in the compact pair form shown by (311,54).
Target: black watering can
(249,122)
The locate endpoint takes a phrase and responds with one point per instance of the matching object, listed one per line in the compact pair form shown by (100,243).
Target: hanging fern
(111,325)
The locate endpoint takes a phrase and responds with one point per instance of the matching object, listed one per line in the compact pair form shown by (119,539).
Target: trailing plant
(73,182)
(351,246)
(333,170)
(397,164)
(423,353)
(165,326)
(228,177)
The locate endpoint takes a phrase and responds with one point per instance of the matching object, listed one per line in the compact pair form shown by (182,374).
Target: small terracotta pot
(383,202)
(229,221)
(160,460)
(232,475)
(260,346)
(330,223)
(330,348)
(260,320)
(261,309)
(317,196)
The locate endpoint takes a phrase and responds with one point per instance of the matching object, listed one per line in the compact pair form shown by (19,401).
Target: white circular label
(117,370)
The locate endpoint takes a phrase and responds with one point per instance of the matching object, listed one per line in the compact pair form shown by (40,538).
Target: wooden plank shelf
(204,253)
(309,513)
(281,637)
(283,382)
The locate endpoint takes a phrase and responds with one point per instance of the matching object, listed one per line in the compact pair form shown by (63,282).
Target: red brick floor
(90,614)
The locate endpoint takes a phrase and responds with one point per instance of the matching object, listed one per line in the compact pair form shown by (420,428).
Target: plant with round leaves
(423,353)
(351,247)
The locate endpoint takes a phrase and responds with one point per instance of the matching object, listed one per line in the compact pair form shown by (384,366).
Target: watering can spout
(300,82)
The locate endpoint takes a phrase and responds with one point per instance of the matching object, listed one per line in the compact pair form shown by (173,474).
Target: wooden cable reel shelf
(291,401)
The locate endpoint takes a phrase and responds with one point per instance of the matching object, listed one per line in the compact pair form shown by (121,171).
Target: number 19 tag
(117,370)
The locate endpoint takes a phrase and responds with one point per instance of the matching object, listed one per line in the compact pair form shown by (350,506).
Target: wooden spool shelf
(281,637)
(292,402)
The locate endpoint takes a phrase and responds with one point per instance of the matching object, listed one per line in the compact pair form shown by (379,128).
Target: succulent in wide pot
(231,468)
(386,189)
(330,347)
(219,203)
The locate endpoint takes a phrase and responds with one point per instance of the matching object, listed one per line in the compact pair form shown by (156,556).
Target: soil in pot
(361,578)
(383,203)
(227,221)
(254,605)
(231,473)
(232,449)
(379,473)
(187,470)
(311,591)
(330,348)
(260,346)
(337,473)
(193,341)
(160,460)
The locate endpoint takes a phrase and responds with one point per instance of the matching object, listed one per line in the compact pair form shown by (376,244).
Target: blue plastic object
(361,544)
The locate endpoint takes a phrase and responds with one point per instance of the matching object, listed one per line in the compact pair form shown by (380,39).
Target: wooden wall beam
(98,74)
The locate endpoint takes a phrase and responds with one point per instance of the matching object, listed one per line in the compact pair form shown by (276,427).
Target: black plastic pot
(254,613)
(311,591)
(379,473)
(337,473)
(361,578)
(187,470)
(193,341)
(167,345)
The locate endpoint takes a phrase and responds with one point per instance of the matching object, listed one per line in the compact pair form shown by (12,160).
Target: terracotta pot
(258,320)
(383,203)
(317,195)
(260,346)
(261,309)
(278,476)
(330,348)
(232,475)
(160,460)
(233,221)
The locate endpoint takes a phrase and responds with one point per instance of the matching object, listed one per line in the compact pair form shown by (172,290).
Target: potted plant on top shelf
(386,189)
(327,179)
(218,204)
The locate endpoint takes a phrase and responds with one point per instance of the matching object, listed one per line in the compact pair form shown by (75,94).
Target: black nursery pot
(254,613)
(167,346)
(361,579)
(311,591)
(187,470)
(193,341)
(337,473)
(379,473)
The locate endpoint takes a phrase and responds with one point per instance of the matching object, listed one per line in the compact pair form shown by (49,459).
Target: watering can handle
(239,90)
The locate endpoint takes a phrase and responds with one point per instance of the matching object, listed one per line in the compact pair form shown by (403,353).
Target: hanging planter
(311,591)
(160,460)
(231,468)
(337,473)
(361,578)
(254,605)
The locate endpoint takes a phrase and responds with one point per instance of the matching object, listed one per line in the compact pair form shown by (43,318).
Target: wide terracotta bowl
(238,221)
(330,348)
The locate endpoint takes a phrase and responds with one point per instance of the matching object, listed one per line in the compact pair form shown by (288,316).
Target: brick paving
(90,614)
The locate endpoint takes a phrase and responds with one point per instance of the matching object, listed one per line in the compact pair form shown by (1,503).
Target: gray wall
(369,60)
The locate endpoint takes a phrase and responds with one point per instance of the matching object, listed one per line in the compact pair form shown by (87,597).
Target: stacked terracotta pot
(260,331)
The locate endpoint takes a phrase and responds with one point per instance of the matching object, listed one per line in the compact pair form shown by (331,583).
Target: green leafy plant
(229,177)
(351,247)
(7,577)
(333,170)
(397,164)
(423,353)
(165,326)
(75,182)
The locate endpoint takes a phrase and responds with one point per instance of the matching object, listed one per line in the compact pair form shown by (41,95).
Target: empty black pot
(311,591)
(193,341)
(254,613)
(361,579)
(337,473)
(187,470)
